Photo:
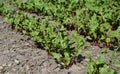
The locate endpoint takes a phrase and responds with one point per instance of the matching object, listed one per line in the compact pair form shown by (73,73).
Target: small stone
(4,65)
(27,67)
(1,67)
(17,61)
(9,64)
(7,73)
(86,60)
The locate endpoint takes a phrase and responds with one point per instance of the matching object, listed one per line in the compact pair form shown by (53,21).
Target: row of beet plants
(98,21)
(80,17)
(52,36)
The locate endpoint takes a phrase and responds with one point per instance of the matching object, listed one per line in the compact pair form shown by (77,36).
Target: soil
(20,55)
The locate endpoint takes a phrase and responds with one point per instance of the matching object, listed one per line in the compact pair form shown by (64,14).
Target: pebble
(17,61)
(1,67)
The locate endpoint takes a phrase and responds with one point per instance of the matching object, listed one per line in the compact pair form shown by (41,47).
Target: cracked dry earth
(19,55)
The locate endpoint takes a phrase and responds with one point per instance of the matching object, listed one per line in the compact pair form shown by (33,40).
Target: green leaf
(107,40)
(88,37)
(101,59)
(34,33)
(56,55)
(24,31)
(62,28)
(111,72)
(36,38)
(67,57)
(102,37)
(117,63)
(103,70)
(90,69)
(114,34)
